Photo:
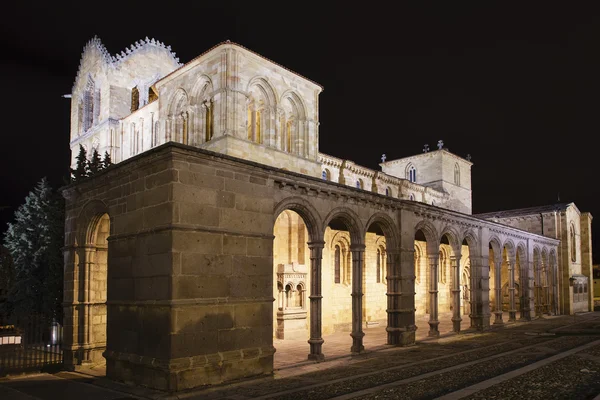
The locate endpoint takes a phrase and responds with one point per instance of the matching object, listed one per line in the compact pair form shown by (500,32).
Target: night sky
(517,87)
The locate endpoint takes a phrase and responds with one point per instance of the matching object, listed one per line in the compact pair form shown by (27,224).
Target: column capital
(357,247)
(316,244)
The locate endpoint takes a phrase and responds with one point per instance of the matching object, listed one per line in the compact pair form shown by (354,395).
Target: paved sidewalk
(290,360)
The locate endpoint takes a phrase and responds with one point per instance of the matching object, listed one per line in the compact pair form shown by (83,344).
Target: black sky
(514,84)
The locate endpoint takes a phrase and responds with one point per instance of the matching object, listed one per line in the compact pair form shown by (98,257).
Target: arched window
(387,191)
(324,175)
(358,184)
(88,105)
(336,264)
(456,175)
(573,244)
(411,173)
(412,197)
(289,301)
(208,108)
(300,296)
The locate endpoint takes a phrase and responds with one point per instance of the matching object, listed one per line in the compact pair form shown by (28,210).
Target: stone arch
(350,219)
(296,102)
(265,87)
(178,103)
(390,230)
(431,235)
(496,244)
(521,251)
(453,238)
(88,221)
(510,248)
(202,90)
(410,172)
(310,215)
(471,238)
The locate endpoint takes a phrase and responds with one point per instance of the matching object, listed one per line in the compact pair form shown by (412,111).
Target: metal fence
(30,344)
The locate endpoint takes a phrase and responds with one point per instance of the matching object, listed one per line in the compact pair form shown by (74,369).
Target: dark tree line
(31,263)
(86,168)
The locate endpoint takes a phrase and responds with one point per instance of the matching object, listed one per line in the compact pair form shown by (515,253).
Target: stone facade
(221,227)
(562,221)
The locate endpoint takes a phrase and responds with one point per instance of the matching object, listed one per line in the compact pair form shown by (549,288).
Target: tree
(35,241)
(95,164)
(106,161)
(82,168)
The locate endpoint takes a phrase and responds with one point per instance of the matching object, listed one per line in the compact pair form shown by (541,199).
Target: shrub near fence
(30,344)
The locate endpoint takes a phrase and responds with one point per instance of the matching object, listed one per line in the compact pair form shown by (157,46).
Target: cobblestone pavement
(550,358)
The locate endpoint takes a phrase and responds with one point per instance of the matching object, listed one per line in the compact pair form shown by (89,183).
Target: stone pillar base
(512,315)
(433,329)
(316,357)
(456,324)
(401,336)
(480,323)
(76,360)
(188,372)
(498,318)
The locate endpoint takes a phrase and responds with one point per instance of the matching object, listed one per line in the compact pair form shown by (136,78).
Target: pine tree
(34,240)
(106,161)
(82,168)
(95,164)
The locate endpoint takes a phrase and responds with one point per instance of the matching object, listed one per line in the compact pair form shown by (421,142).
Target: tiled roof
(523,211)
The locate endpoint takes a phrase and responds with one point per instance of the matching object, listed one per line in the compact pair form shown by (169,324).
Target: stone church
(221,228)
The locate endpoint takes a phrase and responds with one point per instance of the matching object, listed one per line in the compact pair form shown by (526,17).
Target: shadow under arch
(350,219)
(431,235)
(389,228)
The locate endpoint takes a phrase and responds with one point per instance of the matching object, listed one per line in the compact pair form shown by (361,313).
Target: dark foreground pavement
(550,358)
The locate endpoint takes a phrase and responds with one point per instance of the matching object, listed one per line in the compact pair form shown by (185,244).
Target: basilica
(221,227)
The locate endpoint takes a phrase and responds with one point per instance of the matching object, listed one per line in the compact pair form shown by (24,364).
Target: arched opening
(374,276)
(427,306)
(86,318)
(509,283)
(343,312)
(537,284)
(521,279)
(544,283)
(297,268)
(448,283)
(291,317)
(552,282)
(495,274)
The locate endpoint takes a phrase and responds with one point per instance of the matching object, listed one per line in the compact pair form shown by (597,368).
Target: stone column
(527,275)
(316,339)
(357,334)
(433,294)
(393,298)
(498,290)
(544,288)
(401,297)
(456,318)
(537,271)
(480,304)
(85,308)
(512,312)
(70,306)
